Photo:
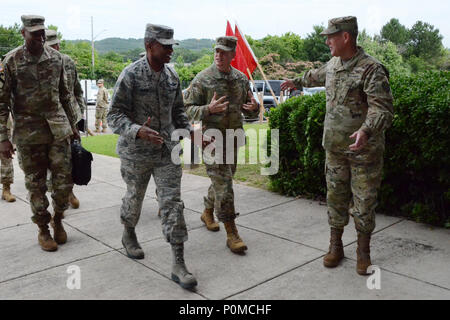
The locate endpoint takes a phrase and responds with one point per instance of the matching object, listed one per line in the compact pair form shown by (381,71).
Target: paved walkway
(287,239)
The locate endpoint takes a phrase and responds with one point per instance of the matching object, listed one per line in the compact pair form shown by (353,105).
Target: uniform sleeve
(312,78)
(119,114)
(78,92)
(105,96)
(380,101)
(179,115)
(195,102)
(64,97)
(5,100)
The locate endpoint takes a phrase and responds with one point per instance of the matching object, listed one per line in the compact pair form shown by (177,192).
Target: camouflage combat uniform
(101,108)
(73,83)
(77,102)
(43,120)
(6,165)
(358,97)
(141,93)
(197,98)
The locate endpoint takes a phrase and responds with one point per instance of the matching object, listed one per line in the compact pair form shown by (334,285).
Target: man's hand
(218,106)
(205,141)
(287,85)
(361,140)
(252,105)
(75,134)
(6,150)
(148,134)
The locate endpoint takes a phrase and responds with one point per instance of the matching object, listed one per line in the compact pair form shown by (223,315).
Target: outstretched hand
(287,85)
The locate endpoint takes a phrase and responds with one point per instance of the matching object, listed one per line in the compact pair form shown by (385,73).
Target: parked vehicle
(91,87)
(261,86)
(311,91)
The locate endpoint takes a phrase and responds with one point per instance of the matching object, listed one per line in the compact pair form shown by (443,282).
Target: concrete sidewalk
(287,239)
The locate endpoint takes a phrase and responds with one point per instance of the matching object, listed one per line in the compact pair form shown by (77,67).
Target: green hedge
(416,180)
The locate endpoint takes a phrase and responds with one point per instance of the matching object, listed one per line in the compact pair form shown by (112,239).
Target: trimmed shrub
(416,180)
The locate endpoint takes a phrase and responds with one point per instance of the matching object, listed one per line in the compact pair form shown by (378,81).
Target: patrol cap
(227,43)
(51,37)
(349,24)
(100,81)
(33,23)
(162,34)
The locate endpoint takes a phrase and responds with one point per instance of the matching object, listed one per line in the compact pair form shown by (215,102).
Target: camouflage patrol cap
(349,24)
(33,23)
(51,37)
(162,34)
(100,81)
(227,43)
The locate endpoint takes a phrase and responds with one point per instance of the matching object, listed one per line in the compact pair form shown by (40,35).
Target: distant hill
(120,45)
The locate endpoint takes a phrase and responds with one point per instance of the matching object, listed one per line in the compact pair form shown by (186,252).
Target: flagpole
(257,63)
(261,101)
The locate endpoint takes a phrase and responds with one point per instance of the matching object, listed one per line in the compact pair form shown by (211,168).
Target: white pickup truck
(91,88)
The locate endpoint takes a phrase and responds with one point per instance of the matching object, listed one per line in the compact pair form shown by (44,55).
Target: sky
(207,19)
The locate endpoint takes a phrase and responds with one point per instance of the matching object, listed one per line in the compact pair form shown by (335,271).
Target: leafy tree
(133,54)
(187,73)
(386,52)
(10,38)
(425,41)
(315,47)
(395,32)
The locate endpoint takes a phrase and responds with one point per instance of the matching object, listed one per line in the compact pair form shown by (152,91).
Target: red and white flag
(245,58)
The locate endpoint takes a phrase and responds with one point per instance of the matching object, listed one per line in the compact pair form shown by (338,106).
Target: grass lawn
(248,174)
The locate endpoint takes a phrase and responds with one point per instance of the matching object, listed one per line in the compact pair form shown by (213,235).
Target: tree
(425,41)
(315,46)
(10,38)
(395,32)
(187,73)
(386,52)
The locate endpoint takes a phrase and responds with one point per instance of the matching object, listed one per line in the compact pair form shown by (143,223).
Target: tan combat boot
(208,219)
(45,239)
(104,130)
(6,194)
(74,202)
(234,241)
(336,250)
(59,233)
(363,254)
(97,130)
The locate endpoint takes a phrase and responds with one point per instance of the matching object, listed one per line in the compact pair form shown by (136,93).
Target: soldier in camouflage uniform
(146,107)
(6,165)
(359,110)
(218,96)
(101,108)
(35,91)
(7,168)
(77,100)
